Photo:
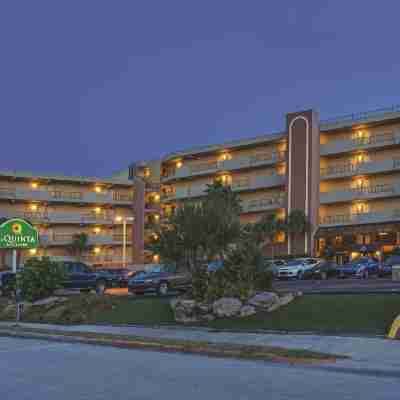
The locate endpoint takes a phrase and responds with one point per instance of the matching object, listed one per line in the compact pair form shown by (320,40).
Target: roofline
(226,145)
(64,178)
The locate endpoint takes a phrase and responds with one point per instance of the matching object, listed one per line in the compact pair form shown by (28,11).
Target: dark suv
(81,276)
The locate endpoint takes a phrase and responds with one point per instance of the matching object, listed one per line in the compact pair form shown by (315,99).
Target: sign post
(17,234)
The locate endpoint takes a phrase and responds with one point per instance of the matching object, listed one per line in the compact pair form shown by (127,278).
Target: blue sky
(88,86)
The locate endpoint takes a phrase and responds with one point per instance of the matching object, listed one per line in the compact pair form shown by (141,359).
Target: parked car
(120,275)
(324,269)
(385,269)
(293,269)
(310,262)
(7,280)
(274,265)
(81,276)
(361,267)
(160,279)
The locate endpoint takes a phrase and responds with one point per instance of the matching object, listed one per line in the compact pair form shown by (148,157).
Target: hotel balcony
(361,143)
(238,185)
(10,193)
(362,218)
(238,163)
(350,169)
(64,218)
(360,193)
(64,239)
(263,204)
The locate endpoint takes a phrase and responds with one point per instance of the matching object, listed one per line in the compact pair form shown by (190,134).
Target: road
(373,285)
(32,369)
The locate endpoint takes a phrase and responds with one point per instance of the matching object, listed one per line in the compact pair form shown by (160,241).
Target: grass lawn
(368,314)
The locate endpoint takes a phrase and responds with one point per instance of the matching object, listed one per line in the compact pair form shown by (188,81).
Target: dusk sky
(86,87)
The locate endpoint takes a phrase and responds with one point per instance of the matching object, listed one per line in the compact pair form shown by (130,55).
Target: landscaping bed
(338,314)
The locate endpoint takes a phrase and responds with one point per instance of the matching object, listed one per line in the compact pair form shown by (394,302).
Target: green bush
(40,278)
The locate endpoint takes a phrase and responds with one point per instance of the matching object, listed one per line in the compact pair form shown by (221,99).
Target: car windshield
(293,263)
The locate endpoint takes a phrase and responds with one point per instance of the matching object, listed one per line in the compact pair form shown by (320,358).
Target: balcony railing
(361,116)
(351,168)
(347,145)
(239,184)
(64,218)
(227,165)
(361,192)
(266,203)
(64,196)
(360,218)
(62,239)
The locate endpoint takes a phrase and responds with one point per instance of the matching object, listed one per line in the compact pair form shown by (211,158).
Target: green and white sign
(17,233)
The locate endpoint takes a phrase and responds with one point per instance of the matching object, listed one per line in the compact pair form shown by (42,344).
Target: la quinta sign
(17,233)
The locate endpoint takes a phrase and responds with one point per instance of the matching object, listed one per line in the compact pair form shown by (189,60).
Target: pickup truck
(81,276)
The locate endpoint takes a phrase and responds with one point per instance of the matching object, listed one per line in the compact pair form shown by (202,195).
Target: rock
(264,300)
(274,307)
(204,308)
(286,299)
(173,303)
(247,311)
(49,301)
(55,313)
(184,311)
(207,317)
(227,307)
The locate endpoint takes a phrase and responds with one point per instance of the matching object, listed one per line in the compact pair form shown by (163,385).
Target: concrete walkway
(376,356)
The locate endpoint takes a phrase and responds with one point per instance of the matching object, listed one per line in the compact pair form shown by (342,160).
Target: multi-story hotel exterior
(343,173)
(61,206)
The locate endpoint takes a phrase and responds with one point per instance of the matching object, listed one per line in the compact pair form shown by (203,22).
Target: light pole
(124,221)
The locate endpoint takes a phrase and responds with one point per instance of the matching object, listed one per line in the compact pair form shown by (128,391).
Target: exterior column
(303,175)
(138,223)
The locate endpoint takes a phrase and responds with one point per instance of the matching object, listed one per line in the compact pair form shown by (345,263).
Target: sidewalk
(375,356)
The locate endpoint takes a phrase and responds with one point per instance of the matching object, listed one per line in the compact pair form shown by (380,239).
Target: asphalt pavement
(339,286)
(32,369)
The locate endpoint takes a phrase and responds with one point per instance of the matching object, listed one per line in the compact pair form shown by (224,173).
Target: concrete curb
(208,350)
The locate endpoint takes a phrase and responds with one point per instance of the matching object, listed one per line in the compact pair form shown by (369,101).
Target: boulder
(264,300)
(204,308)
(274,307)
(227,307)
(286,299)
(247,311)
(49,301)
(207,317)
(55,313)
(184,311)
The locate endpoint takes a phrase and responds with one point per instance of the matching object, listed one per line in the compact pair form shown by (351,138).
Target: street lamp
(124,221)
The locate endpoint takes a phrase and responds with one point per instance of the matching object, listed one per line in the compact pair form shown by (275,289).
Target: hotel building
(61,206)
(343,173)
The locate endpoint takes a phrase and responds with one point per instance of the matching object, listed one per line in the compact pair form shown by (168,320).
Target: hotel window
(360,208)
(321,243)
(338,240)
(280,237)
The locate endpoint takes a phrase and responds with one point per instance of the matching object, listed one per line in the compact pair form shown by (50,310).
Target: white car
(293,269)
(310,262)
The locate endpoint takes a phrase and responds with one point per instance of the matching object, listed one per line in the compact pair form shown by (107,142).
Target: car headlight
(317,270)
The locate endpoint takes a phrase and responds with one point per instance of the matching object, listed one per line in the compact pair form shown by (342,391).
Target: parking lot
(345,286)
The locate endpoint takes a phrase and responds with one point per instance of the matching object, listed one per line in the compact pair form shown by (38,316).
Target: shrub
(40,278)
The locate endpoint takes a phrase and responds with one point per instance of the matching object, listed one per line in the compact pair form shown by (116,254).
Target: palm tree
(269,226)
(297,223)
(79,244)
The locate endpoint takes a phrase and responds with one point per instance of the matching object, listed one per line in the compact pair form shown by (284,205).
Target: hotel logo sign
(17,233)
